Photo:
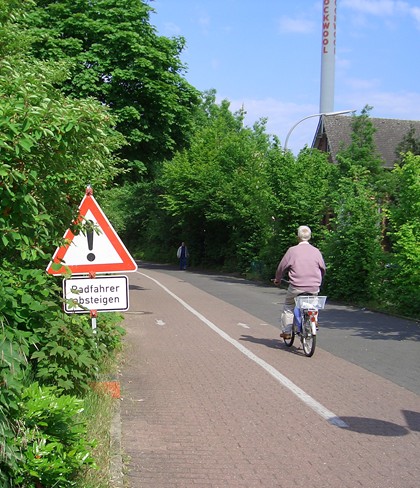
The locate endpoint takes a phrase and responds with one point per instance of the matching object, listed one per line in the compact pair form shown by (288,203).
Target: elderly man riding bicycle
(306,268)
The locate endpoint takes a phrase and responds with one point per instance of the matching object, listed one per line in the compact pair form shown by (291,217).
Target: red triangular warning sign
(92,252)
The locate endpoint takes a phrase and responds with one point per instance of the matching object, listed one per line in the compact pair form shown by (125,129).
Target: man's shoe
(285,335)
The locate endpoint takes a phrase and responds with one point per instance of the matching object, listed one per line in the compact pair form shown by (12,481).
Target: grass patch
(100,409)
(99,412)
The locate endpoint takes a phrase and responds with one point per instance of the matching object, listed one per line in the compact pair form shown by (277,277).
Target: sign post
(97,248)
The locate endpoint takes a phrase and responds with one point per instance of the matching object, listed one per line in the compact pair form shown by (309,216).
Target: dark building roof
(334,133)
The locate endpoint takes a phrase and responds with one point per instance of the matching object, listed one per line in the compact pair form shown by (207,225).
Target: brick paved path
(196,412)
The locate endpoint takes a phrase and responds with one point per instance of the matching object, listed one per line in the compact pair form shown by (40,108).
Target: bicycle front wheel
(308,339)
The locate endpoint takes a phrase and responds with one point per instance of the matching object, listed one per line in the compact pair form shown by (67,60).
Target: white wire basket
(310,301)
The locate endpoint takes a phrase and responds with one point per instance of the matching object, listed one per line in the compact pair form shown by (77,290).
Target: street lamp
(322,114)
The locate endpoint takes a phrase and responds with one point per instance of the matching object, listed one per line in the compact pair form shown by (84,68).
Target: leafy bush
(62,349)
(403,282)
(12,376)
(352,249)
(52,436)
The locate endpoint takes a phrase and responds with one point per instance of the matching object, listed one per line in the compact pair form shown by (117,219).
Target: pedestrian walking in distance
(182,255)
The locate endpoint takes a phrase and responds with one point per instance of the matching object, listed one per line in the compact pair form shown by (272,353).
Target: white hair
(304,233)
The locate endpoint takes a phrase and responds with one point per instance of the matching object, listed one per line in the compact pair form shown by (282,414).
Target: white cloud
(170,29)
(376,7)
(361,84)
(215,64)
(297,25)
(204,21)
(415,12)
(390,105)
(382,8)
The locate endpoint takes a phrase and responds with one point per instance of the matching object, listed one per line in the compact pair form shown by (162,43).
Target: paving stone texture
(197,413)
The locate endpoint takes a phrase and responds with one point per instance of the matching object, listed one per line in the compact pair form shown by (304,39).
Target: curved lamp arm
(323,114)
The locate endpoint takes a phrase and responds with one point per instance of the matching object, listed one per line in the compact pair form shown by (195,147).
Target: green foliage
(62,349)
(52,435)
(10,455)
(114,55)
(237,198)
(13,350)
(45,159)
(352,248)
(410,143)
(216,194)
(403,282)
(301,187)
(129,207)
(67,355)
(51,146)
(13,353)
(11,13)
(362,152)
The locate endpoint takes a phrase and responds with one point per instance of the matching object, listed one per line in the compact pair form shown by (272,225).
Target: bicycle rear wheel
(308,338)
(289,342)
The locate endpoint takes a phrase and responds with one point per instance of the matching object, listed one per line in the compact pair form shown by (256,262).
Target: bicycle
(305,322)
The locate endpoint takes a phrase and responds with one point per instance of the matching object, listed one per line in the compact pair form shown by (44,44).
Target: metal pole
(93,315)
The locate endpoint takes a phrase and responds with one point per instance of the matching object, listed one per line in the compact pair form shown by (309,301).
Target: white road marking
(243,325)
(159,322)
(317,407)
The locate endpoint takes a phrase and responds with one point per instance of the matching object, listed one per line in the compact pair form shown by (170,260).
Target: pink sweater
(305,265)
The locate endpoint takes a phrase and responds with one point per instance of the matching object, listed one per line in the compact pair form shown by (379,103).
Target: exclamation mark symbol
(89,235)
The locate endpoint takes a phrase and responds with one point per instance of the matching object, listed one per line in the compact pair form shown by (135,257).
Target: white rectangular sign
(104,294)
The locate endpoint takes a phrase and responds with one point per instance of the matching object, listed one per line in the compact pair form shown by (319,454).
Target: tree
(51,147)
(352,247)
(216,193)
(301,190)
(362,151)
(410,143)
(353,244)
(114,55)
(404,216)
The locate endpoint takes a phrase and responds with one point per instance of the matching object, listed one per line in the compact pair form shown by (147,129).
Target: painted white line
(159,322)
(302,395)
(241,324)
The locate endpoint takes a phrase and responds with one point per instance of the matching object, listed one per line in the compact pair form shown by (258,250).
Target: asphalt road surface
(212,398)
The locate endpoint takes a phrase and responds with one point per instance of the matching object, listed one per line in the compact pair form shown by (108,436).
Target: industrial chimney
(329,25)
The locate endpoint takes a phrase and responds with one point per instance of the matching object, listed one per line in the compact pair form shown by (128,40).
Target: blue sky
(266,56)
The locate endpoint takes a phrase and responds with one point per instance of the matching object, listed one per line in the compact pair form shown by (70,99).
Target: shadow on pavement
(136,287)
(371,426)
(412,419)
(366,325)
(275,344)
